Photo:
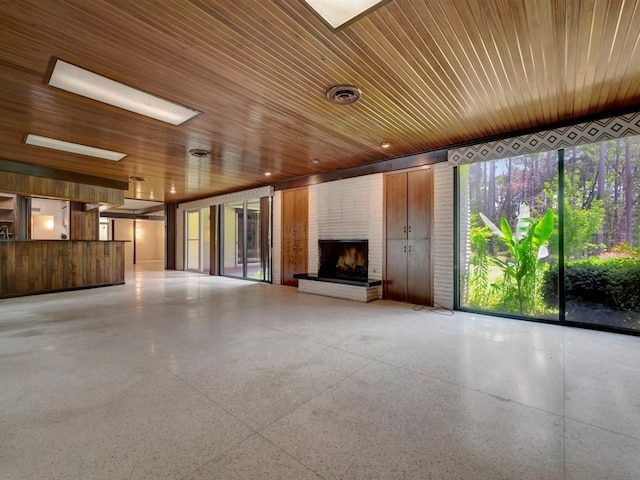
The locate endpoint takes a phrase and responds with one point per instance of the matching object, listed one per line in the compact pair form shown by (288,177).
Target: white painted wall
(443,228)
(149,240)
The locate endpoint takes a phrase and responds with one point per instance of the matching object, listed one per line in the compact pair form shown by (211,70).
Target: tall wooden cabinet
(408,215)
(295,226)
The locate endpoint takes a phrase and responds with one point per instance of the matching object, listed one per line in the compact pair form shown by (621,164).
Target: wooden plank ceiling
(432,74)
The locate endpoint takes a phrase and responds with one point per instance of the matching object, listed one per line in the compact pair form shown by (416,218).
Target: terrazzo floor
(184,376)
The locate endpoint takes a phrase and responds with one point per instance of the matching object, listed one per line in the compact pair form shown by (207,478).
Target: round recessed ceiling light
(266,174)
(199,152)
(343,94)
(385,145)
(315,161)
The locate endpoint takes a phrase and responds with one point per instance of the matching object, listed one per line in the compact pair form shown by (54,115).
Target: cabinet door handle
(409,248)
(405,249)
(409,228)
(404,229)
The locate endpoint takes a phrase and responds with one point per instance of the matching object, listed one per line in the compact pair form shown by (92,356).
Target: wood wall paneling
(83,223)
(47,187)
(39,266)
(295,214)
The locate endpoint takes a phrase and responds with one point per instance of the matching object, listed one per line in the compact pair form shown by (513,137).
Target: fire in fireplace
(344,259)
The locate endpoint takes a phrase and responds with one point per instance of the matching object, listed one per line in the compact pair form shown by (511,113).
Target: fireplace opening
(344,259)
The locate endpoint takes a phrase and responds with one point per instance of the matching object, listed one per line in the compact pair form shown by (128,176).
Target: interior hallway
(184,376)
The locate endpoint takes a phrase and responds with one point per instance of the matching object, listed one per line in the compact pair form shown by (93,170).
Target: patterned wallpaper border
(228,198)
(579,134)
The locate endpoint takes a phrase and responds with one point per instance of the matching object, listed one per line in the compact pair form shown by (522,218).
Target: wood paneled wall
(47,187)
(39,266)
(84,224)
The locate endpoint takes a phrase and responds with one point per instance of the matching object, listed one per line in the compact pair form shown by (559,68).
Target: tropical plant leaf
(523,221)
(491,226)
(543,230)
(505,228)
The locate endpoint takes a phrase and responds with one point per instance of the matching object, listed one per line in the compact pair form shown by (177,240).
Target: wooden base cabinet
(408,221)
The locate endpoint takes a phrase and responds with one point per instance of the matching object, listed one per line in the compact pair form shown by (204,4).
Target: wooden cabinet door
(396,206)
(396,270)
(295,214)
(419,188)
(418,272)
(408,212)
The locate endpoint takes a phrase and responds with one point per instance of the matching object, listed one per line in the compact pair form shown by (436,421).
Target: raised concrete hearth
(359,291)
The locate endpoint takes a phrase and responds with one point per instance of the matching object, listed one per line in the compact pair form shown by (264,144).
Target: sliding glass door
(553,235)
(197,240)
(244,232)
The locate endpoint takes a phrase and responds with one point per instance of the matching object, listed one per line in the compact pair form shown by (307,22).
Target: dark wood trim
(170,216)
(148,210)
(400,163)
(55,174)
(132,216)
(214,253)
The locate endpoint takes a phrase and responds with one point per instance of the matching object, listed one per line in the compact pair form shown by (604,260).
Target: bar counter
(29,267)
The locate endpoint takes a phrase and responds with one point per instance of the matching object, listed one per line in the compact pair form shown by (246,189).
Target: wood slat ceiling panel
(433,74)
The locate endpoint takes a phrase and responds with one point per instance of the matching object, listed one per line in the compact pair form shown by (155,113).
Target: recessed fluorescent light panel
(339,13)
(54,144)
(91,85)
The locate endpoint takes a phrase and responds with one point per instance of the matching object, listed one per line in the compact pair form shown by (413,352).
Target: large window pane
(232,238)
(508,234)
(254,269)
(602,233)
(205,220)
(193,240)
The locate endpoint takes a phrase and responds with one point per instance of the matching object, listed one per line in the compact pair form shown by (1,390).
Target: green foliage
(610,282)
(479,278)
(583,218)
(525,246)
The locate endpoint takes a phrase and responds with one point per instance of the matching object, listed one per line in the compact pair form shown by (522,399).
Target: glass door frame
(561,320)
(265,256)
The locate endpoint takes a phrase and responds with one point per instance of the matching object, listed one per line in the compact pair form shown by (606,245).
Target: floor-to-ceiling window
(244,233)
(553,235)
(508,234)
(602,233)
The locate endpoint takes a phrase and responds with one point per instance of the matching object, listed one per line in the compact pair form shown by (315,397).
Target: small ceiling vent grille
(199,153)
(343,94)
(138,179)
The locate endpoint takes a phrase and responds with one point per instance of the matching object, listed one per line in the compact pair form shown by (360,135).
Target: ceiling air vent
(343,94)
(199,153)
(138,179)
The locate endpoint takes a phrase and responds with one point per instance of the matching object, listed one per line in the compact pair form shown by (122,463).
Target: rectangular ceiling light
(91,85)
(339,13)
(54,144)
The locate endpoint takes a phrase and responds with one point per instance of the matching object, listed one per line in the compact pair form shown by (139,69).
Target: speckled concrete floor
(186,376)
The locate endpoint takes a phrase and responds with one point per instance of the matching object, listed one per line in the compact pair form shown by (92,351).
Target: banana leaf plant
(526,245)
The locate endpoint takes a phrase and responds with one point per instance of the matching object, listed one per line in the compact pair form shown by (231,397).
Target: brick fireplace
(343,259)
